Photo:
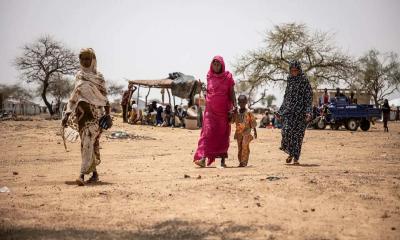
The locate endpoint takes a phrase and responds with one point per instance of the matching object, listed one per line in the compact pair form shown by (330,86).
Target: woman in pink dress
(220,102)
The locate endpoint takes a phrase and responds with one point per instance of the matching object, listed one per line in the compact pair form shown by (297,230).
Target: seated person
(265,121)
(180,115)
(159,117)
(277,123)
(167,116)
(151,114)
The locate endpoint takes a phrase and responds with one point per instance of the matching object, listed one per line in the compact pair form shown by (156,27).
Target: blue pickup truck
(352,116)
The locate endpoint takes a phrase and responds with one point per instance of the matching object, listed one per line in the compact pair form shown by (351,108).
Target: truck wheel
(352,125)
(321,124)
(365,125)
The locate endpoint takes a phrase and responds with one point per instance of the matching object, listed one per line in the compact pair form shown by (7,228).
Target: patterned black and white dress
(297,102)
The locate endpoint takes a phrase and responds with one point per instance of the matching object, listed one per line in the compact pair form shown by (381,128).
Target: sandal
(200,163)
(289,159)
(80,181)
(93,179)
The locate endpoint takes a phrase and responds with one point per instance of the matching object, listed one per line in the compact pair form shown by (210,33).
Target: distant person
(325,98)
(220,101)
(245,122)
(398,114)
(265,121)
(352,99)
(386,115)
(137,114)
(151,113)
(167,116)
(180,116)
(126,98)
(339,95)
(159,117)
(133,114)
(84,111)
(295,112)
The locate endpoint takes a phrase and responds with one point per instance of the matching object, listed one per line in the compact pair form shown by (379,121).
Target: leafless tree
(321,60)
(60,89)
(379,74)
(114,89)
(43,59)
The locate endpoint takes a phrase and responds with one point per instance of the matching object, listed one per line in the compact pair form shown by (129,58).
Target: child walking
(245,122)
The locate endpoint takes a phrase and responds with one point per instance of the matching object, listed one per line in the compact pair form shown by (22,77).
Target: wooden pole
(169,96)
(137,102)
(148,94)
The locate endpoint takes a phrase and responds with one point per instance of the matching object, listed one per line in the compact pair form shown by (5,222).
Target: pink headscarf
(223,74)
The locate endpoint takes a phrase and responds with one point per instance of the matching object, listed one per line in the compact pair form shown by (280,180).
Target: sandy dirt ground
(347,187)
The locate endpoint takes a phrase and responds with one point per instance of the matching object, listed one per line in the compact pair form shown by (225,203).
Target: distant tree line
(322,61)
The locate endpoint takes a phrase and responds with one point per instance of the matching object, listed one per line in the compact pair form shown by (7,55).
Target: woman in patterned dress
(86,105)
(295,112)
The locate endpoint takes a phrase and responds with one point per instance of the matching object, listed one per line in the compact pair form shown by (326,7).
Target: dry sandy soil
(348,187)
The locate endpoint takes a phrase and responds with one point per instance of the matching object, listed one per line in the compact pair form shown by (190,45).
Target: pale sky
(149,39)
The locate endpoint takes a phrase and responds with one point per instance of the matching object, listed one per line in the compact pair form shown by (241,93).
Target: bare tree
(60,89)
(43,59)
(321,60)
(114,89)
(379,74)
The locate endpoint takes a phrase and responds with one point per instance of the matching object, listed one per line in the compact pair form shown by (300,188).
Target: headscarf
(297,87)
(223,74)
(296,64)
(89,85)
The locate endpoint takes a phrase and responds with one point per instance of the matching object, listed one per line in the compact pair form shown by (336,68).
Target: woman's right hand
(64,121)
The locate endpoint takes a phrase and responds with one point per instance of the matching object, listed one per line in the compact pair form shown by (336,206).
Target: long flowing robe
(216,129)
(297,102)
(85,108)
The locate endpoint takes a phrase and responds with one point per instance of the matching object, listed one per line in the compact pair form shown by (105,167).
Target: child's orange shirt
(244,122)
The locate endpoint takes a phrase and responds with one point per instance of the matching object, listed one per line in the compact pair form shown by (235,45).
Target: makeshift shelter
(177,84)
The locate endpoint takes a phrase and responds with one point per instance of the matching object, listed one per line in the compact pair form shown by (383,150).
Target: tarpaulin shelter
(181,85)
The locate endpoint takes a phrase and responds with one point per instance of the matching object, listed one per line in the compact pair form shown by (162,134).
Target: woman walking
(386,115)
(220,100)
(84,110)
(295,112)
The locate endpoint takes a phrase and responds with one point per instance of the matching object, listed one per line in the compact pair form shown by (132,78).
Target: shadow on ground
(171,229)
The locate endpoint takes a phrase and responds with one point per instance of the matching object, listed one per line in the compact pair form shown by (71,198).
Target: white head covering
(89,85)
